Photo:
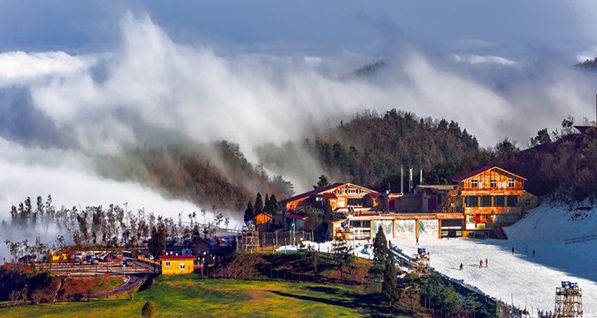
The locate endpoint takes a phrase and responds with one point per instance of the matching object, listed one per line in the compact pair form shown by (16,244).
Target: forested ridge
(370,150)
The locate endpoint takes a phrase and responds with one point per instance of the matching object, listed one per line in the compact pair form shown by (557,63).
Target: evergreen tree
(274,205)
(249,212)
(380,255)
(258,203)
(389,286)
(322,182)
(266,206)
(157,242)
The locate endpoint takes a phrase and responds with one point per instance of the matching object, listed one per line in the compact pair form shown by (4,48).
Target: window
(493,183)
(181,265)
(355,201)
(511,183)
(499,200)
(486,201)
(474,183)
(167,264)
(355,223)
(470,219)
(512,200)
(366,224)
(471,201)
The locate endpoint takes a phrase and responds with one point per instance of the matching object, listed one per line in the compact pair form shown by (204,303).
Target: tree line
(109,226)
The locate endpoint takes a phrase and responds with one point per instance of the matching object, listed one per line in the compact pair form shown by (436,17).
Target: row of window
(349,191)
(492,183)
(491,201)
(366,224)
(180,265)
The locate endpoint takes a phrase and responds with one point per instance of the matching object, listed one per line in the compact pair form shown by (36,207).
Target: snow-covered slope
(553,222)
(521,278)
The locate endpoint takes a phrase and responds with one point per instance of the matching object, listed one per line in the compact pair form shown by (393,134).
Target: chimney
(401,180)
(410,179)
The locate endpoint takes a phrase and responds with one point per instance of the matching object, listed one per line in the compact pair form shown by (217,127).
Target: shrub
(149,310)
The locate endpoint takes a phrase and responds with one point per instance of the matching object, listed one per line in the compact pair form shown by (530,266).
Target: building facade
(176,264)
(478,204)
(492,197)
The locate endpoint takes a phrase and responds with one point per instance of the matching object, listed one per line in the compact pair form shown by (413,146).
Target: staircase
(499,232)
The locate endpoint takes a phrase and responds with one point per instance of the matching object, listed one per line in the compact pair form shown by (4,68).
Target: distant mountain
(588,64)
(366,70)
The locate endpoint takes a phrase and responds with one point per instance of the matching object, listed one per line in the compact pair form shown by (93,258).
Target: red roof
(373,195)
(174,257)
(477,171)
(311,193)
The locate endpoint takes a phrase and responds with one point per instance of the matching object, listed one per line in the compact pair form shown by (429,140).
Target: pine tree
(322,182)
(380,255)
(249,212)
(266,206)
(274,205)
(258,203)
(389,286)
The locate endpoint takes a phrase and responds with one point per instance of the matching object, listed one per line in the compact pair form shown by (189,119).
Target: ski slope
(526,281)
(519,278)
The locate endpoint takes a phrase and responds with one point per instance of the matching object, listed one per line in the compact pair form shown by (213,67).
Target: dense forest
(369,150)
(216,176)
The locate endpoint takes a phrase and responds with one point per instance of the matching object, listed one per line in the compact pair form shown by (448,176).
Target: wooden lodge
(478,204)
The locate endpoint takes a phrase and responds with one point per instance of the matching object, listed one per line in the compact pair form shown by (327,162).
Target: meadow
(190,296)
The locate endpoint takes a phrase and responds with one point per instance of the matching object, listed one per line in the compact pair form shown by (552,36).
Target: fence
(282,238)
(581,239)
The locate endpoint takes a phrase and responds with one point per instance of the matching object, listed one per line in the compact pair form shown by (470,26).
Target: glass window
(493,183)
(512,200)
(474,183)
(470,219)
(486,201)
(511,183)
(366,224)
(355,223)
(471,201)
(499,200)
(167,264)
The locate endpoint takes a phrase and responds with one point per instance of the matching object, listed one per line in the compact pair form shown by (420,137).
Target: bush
(149,310)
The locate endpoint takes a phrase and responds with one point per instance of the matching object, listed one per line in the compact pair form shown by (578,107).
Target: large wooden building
(342,197)
(491,197)
(478,204)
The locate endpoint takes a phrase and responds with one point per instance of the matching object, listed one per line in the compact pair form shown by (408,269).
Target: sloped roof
(485,168)
(312,192)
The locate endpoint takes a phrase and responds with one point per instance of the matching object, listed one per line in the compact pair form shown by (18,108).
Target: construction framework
(250,238)
(568,301)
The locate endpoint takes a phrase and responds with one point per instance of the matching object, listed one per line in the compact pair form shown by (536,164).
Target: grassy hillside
(188,296)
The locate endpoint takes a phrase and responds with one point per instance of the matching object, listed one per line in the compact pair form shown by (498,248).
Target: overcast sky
(509,27)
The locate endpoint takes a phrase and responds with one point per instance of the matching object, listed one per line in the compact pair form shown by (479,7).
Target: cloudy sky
(80,80)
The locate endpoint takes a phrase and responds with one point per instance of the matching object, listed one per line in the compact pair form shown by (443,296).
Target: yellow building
(174,264)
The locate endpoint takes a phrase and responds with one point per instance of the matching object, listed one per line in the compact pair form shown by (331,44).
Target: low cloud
(151,86)
(17,68)
(484,59)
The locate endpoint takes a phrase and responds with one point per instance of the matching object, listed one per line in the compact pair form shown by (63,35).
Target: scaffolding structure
(568,301)
(250,238)
(420,262)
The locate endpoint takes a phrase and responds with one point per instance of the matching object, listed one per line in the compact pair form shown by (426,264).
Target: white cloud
(484,59)
(152,82)
(19,67)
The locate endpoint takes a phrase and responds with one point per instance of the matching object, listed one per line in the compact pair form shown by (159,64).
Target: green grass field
(189,296)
